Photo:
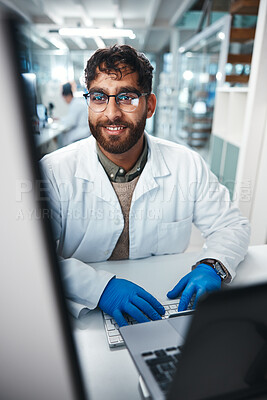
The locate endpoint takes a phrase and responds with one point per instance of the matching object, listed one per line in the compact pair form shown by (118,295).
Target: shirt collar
(117,173)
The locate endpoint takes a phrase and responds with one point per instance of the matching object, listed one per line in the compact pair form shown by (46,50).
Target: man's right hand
(122,296)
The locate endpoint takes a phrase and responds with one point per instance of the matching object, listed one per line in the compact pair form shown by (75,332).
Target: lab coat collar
(87,159)
(89,168)
(155,158)
(155,168)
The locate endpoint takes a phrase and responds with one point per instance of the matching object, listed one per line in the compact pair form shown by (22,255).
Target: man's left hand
(199,281)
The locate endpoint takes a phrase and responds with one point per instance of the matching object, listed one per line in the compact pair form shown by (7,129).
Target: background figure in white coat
(76,120)
(125,194)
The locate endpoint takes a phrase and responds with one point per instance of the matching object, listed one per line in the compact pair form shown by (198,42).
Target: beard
(121,143)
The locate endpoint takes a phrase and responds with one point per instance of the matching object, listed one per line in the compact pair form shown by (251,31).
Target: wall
(251,198)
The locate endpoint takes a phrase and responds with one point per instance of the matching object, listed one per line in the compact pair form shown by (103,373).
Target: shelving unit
(186,97)
(241,40)
(242,35)
(167,106)
(245,7)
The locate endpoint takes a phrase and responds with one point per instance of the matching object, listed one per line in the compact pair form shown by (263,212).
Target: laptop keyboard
(162,364)
(112,328)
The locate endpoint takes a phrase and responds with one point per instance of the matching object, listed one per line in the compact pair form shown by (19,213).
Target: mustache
(112,123)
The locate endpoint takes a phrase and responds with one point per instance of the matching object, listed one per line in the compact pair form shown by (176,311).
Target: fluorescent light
(58,43)
(79,42)
(105,33)
(99,42)
(35,38)
(119,22)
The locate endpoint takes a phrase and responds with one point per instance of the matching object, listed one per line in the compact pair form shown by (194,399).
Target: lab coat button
(117,221)
(106,252)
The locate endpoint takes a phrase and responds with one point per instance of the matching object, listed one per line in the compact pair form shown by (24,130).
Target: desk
(49,133)
(111,374)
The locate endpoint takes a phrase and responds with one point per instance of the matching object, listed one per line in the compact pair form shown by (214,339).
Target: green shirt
(117,173)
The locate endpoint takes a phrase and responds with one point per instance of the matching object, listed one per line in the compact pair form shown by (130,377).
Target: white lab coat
(75,122)
(175,189)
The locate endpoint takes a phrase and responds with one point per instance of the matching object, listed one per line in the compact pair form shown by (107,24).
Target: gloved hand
(202,279)
(122,296)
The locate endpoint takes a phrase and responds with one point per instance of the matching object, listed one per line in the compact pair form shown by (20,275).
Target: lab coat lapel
(90,169)
(155,168)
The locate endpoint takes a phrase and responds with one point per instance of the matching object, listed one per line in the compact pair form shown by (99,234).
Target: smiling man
(124,194)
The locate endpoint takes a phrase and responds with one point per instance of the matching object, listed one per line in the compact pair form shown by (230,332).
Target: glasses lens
(97,101)
(127,101)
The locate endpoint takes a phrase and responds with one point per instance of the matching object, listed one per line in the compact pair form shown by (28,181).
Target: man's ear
(151,105)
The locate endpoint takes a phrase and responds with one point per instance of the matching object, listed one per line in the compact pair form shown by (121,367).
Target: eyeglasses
(98,101)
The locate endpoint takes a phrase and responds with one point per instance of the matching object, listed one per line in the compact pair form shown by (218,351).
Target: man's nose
(112,111)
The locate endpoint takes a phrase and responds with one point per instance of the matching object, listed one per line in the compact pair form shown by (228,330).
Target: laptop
(217,353)
(113,335)
(37,353)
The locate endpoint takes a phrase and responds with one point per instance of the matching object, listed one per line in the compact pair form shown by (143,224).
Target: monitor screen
(37,354)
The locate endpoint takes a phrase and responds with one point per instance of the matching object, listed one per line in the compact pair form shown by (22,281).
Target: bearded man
(123,194)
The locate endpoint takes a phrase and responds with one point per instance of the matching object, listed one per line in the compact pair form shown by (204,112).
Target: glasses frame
(86,96)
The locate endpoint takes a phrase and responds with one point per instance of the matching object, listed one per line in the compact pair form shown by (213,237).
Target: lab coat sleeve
(226,232)
(82,284)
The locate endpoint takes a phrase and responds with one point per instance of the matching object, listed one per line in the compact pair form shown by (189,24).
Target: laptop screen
(225,353)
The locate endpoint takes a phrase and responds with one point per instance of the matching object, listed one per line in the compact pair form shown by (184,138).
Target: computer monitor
(30,91)
(37,355)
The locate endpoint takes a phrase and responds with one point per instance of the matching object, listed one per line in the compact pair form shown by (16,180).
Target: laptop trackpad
(181,323)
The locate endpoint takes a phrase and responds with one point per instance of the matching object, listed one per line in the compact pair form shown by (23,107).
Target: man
(76,121)
(124,194)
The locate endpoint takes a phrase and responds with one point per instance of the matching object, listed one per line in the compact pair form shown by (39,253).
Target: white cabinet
(227,129)
(229,111)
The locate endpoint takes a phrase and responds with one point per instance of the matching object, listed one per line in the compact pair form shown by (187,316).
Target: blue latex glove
(202,279)
(122,296)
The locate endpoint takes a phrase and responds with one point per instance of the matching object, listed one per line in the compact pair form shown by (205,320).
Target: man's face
(117,131)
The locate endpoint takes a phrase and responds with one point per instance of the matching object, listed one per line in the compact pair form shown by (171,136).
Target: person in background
(124,194)
(76,121)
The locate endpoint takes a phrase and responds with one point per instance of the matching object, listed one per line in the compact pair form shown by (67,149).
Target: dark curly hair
(116,57)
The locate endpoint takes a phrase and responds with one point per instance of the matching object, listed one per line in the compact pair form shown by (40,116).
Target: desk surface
(111,374)
(48,133)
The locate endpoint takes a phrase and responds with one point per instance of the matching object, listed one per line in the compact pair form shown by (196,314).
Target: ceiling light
(58,43)
(79,42)
(99,42)
(34,37)
(105,33)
